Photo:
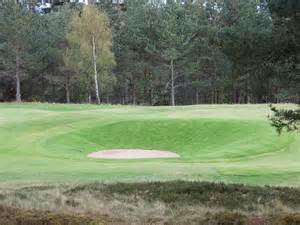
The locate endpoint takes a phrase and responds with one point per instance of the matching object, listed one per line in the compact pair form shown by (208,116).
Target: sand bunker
(132,154)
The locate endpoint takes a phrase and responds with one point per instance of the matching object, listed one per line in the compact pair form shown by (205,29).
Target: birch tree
(91,37)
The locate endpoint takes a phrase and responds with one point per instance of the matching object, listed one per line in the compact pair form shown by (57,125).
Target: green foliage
(82,26)
(16,37)
(284,8)
(90,23)
(220,52)
(288,119)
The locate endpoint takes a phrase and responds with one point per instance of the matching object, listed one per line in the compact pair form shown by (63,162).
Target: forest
(152,52)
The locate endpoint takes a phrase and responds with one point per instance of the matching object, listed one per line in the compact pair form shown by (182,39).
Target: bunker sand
(132,154)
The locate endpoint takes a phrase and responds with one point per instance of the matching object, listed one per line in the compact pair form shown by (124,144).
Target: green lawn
(49,143)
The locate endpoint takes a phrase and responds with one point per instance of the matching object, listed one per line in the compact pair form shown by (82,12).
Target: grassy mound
(194,139)
(229,143)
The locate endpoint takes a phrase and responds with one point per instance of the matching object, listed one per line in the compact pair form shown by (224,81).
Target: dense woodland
(152,53)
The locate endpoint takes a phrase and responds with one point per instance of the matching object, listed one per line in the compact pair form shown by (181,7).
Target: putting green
(230,143)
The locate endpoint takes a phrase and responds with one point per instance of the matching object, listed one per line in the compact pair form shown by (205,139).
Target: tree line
(152,52)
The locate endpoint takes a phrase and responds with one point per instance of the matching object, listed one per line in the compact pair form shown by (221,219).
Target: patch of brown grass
(12,216)
(160,204)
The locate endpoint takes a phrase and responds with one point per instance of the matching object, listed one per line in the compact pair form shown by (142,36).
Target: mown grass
(49,143)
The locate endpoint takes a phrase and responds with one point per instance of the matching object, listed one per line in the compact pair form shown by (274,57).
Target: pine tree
(15,29)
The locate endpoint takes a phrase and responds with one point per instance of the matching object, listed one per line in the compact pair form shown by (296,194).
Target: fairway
(50,143)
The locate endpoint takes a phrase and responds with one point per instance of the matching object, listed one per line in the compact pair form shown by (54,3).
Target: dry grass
(102,204)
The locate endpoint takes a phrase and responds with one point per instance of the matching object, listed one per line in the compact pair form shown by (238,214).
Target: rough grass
(167,203)
(49,143)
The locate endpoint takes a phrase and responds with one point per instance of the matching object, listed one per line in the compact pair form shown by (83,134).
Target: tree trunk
(298,73)
(150,96)
(53,95)
(212,98)
(248,90)
(172,84)
(118,8)
(89,98)
(197,96)
(95,71)
(89,89)
(233,90)
(133,90)
(67,87)
(134,95)
(125,93)
(18,82)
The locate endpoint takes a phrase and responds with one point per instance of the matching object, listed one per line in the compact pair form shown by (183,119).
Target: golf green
(49,143)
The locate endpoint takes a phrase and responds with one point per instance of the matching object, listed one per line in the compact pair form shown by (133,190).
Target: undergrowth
(150,203)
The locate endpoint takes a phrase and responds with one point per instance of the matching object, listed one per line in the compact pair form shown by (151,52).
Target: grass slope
(230,143)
